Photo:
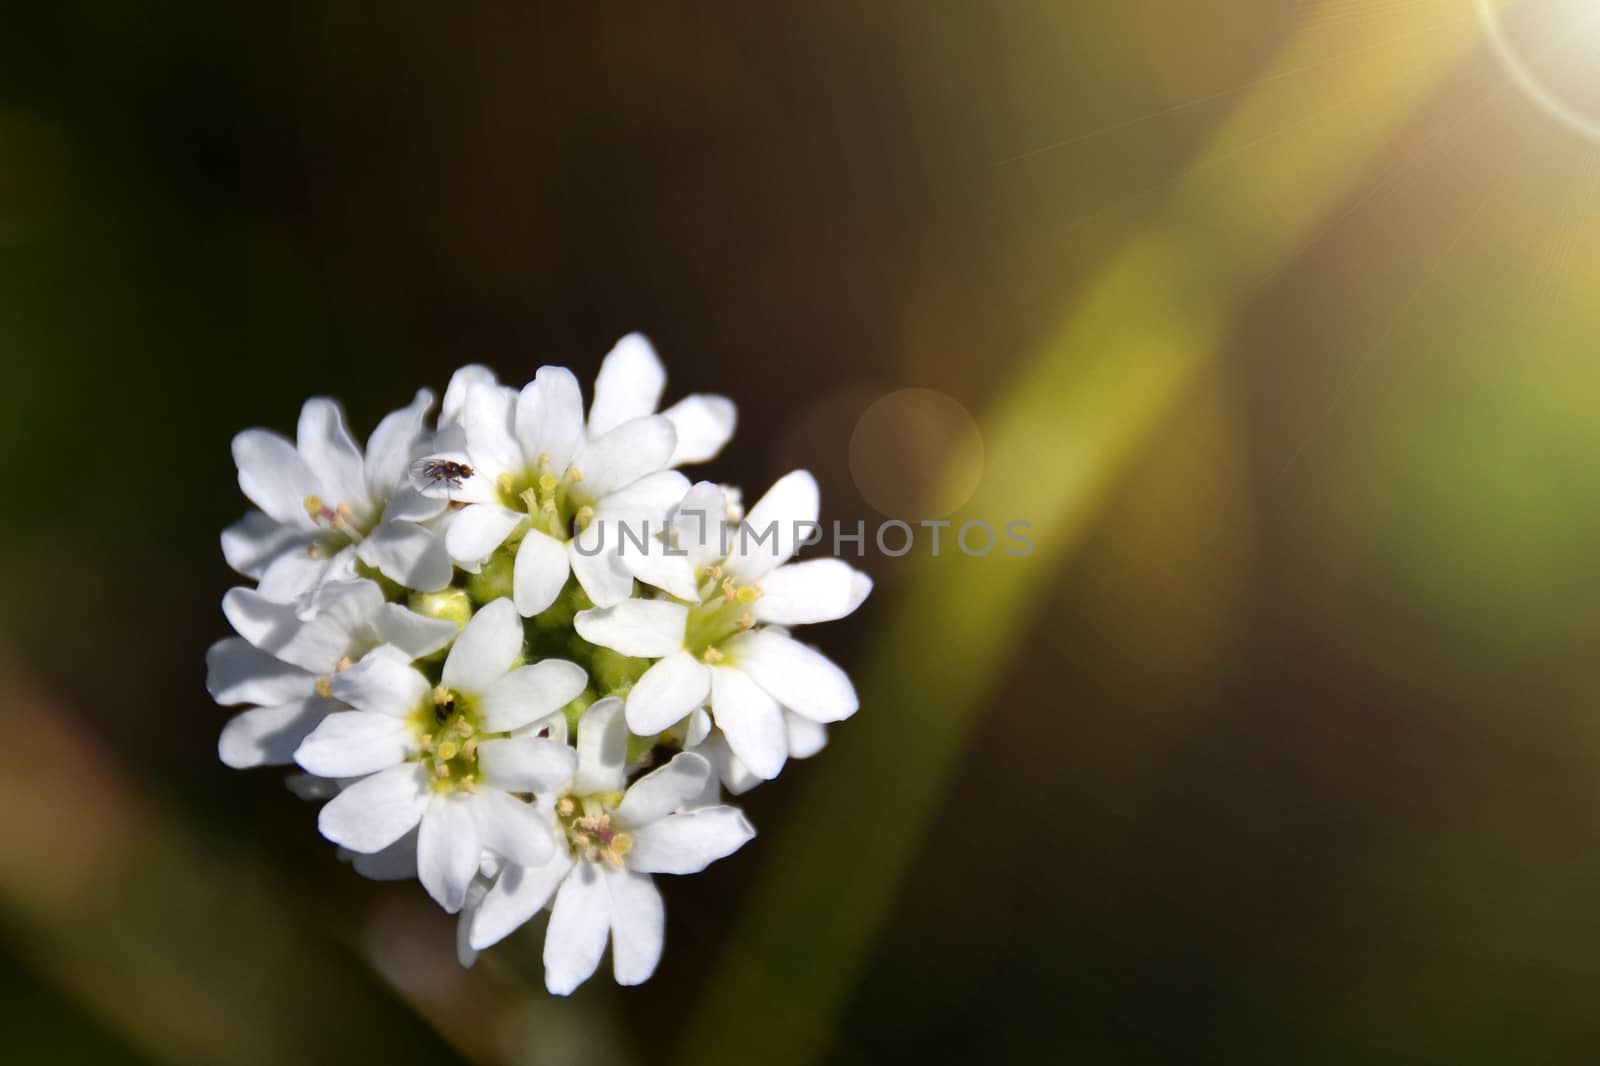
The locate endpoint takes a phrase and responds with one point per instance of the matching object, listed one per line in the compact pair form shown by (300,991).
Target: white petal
(602,748)
(527,764)
(700,524)
(238,672)
(540,573)
(383,682)
(491,445)
(531,692)
(376,811)
(704,424)
(750,719)
(628,386)
(355,743)
(455,394)
(771,531)
(667,692)
(818,590)
(806,737)
(800,678)
(466,954)
(408,554)
(399,439)
(448,849)
(257,539)
(625,454)
(516,831)
(663,790)
(415,634)
(267,736)
(650,498)
(549,417)
(660,565)
(649,629)
(486,648)
(274,477)
(397,862)
(689,842)
(318,643)
(325,444)
(638,925)
(735,775)
(580,920)
(297,573)
(518,894)
(478,530)
(598,569)
(421,501)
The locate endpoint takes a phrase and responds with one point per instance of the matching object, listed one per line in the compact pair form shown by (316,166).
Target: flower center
(448,731)
(723,610)
(554,504)
(589,832)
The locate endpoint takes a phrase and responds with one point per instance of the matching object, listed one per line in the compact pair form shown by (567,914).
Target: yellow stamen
(313,505)
(324,689)
(712,656)
(547,483)
(448,750)
(442,695)
(574,475)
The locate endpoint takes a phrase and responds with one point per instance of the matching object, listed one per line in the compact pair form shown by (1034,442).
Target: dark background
(1282,747)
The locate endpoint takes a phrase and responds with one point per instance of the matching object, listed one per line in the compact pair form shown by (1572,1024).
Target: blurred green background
(1277,323)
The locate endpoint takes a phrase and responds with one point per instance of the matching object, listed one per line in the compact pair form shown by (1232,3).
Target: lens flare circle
(1527,81)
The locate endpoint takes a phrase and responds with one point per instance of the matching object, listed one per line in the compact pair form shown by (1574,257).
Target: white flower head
(517,656)
(442,759)
(610,840)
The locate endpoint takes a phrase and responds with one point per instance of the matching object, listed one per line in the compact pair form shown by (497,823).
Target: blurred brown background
(1277,323)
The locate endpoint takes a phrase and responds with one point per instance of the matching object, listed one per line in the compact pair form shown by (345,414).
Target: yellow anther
(748,595)
(324,689)
(612,858)
(504,484)
(469,784)
(313,505)
(712,656)
(714,572)
(544,458)
(728,588)
(548,507)
(585,515)
(547,482)
(344,664)
(529,498)
(565,807)
(440,770)
(442,695)
(449,749)
(426,743)
(574,475)
(622,843)
(746,621)
(581,841)
(464,727)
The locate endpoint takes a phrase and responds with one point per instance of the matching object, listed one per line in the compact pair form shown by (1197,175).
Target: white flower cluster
(519,654)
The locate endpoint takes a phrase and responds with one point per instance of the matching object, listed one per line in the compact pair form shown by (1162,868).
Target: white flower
(567,486)
(324,505)
(440,759)
(283,662)
(727,647)
(611,842)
